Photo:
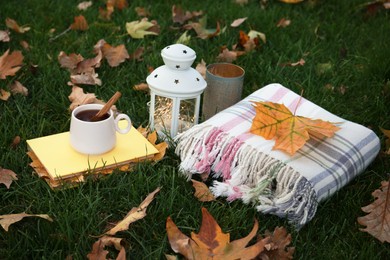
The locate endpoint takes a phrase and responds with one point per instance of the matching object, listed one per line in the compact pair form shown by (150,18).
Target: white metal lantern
(175,90)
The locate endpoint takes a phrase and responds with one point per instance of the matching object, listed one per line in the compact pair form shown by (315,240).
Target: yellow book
(60,160)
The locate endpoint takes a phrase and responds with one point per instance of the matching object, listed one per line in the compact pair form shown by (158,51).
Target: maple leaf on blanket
(273,120)
(212,243)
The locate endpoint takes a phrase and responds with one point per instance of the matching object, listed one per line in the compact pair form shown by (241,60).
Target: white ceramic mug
(95,137)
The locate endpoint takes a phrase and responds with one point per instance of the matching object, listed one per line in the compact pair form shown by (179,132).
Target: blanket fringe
(247,174)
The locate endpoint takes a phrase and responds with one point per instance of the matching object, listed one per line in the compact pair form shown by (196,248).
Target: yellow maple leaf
(273,120)
(138,29)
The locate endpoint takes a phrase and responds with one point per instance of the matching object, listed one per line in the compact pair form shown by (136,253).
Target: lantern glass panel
(186,114)
(163,113)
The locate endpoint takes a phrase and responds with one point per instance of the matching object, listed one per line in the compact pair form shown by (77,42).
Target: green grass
(333,31)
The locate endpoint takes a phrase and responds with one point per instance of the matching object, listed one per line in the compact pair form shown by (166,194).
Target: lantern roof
(177,78)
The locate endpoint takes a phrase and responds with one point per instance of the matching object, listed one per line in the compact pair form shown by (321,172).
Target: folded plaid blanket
(245,166)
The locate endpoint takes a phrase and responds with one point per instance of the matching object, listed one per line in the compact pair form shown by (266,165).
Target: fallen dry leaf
(4,94)
(227,56)
(105,14)
(133,215)
(90,78)
(69,61)
(283,23)
(143,130)
(301,62)
(137,54)
(84,5)
(141,87)
(201,28)
(78,97)
(15,142)
(114,55)
(180,16)
(161,147)
(387,142)
(4,36)
(184,38)
(142,11)
(202,192)
(10,63)
(25,45)
(139,29)
(17,88)
(277,247)
(238,22)
(98,252)
(201,68)
(79,24)
(13,25)
(377,221)
(291,1)
(211,242)
(273,120)
(7,177)
(8,220)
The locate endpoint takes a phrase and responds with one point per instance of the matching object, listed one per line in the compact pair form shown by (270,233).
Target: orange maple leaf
(377,222)
(273,120)
(211,242)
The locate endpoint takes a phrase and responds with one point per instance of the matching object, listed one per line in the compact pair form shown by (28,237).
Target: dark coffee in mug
(86,115)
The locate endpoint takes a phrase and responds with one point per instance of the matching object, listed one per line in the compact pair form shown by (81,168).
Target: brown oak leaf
(377,221)
(277,247)
(114,55)
(7,177)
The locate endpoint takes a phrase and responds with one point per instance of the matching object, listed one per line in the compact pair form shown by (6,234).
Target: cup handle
(127,128)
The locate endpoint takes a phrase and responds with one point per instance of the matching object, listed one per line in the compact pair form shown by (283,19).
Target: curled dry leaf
(79,24)
(133,215)
(7,220)
(141,87)
(142,11)
(211,242)
(114,55)
(201,30)
(98,251)
(90,78)
(377,221)
(7,177)
(69,61)
(161,147)
(228,56)
(277,247)
(105,14)
(291,1)
(283,23)
(238,22)
(4,36)
(184,38)
(139,29)
(202,192)
(15,142)
(201,68)
(10,63)
(137,54)
(180,16)
(84,5)
(387,142)
(78,97)
(4,95)
(17,88)
(13,25)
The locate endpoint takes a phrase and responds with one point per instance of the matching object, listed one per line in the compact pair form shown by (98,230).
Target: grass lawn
(346,71)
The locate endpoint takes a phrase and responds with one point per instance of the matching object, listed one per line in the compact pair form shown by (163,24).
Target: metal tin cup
(224,88)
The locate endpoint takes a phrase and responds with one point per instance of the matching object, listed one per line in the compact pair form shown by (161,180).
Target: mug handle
(127,128)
